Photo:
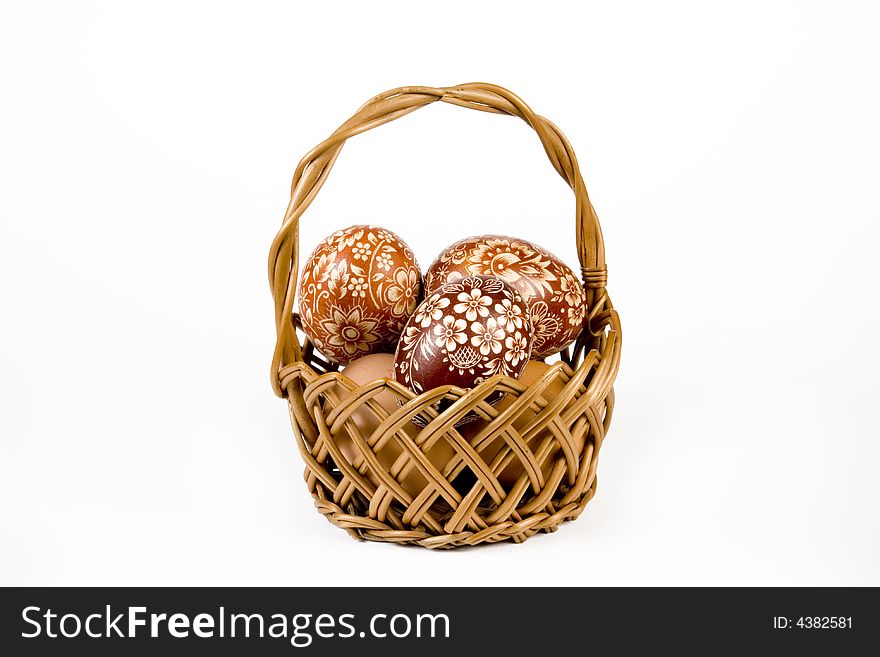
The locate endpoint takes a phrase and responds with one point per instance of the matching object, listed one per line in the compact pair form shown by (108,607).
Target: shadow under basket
(517,468)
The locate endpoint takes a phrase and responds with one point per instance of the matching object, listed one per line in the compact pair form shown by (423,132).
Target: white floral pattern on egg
(554,294)
(356,292)
(464,333)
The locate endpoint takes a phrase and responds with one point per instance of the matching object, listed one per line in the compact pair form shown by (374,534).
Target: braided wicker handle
(313,169)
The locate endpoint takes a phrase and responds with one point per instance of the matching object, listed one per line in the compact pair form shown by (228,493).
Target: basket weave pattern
(555,438)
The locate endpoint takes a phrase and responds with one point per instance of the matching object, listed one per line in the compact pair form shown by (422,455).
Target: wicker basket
(463,503)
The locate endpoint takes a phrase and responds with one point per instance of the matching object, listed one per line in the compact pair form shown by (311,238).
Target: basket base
(369,529)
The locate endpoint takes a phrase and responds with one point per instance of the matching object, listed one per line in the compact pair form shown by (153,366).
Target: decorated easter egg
(554,294)
(464,333)
(365,419)
(356,292)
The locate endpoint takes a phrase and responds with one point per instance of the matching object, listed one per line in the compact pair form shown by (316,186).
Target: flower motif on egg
(356,291)
(512,314)
(431,310)
(362,251)
(384,261)
(450,333)
(351,331)
(464,333)
(489,338)
(402,291)
(472,303)
(357,287)
(552,292)
(517,348)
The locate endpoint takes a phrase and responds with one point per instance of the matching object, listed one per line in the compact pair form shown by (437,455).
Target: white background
(146,150)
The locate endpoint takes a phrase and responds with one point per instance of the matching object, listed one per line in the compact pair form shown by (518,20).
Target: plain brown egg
(533,371)
(366,370)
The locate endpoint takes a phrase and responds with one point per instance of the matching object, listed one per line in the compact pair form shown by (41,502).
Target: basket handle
(314,168)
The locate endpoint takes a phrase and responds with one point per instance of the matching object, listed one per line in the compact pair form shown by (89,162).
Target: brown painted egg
(553,292)
(356,292)
(464,333)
